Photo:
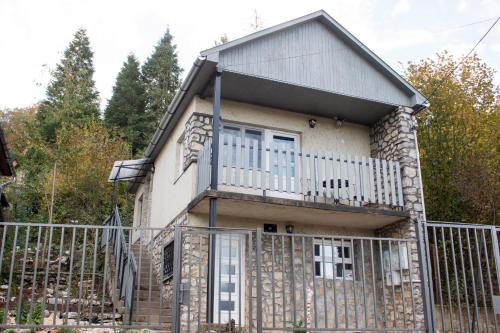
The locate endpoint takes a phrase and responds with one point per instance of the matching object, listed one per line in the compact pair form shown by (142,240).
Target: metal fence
(80,276)
(463,270)
(333,177)
(295,282)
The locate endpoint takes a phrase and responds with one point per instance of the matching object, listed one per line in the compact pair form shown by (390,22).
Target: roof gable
(316,52)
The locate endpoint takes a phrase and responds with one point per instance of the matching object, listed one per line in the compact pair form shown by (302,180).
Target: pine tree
(71,95)
(161,77)
(125,110)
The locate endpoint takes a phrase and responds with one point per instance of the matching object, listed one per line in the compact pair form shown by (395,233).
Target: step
(155,303)
(153,319)
(154,311)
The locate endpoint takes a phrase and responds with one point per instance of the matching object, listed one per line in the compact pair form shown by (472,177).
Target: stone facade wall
(156,246)
(393,137)
(198,130)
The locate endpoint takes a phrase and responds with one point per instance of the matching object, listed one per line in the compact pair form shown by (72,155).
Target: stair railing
(126,264)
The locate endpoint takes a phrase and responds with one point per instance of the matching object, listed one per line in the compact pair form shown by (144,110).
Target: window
(284,144)
(180,155)
(140,204)
(245,134)
(332,261)
(168,260)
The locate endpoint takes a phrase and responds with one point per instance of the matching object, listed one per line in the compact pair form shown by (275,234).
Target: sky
(34,34)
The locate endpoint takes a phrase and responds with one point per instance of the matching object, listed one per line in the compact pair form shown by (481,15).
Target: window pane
(228,269)
(317,250)
(226,305)
(252,136)
(329,270)
(283,143)
(227,287)
(317,268)
(229,134)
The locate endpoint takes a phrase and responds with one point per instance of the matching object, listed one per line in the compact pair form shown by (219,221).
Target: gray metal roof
(317,52)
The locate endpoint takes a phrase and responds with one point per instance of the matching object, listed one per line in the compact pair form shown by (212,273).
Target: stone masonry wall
(198,130)
(393,137)
(162,239)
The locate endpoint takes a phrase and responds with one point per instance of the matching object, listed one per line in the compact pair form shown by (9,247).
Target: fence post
(258,260)
(425,267)
(177,279)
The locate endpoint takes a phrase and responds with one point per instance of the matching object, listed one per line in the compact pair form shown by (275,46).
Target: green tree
(459,138)
(71,95)
(161,77)
(125,110)
(82,192)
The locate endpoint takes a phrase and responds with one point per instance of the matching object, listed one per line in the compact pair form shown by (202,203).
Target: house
(286,169)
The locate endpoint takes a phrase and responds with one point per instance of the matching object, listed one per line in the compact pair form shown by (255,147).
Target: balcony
(322,180)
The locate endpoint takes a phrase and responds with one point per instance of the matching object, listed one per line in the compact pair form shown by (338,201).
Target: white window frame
(243,129)
(267,138)
(333,261)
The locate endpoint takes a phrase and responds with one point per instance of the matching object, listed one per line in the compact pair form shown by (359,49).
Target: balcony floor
(298,211)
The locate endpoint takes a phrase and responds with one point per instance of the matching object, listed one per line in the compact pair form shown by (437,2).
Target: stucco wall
(172,190)
(326,136)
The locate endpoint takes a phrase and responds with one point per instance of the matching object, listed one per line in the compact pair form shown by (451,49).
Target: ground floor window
(168,260)
(333,259)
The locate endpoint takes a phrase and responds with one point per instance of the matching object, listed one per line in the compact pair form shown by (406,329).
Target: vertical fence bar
(486,255)
(372,261)
(5,229)
(82,272)
(283,278)
(475,320)
(447,277)
(462,263)
(259,279)
(455,274)
(94,264)
(21,286)
(177,280)
(35,271)
(304,291)
(480,277)
(56,291)
(12,260)
(273,295)
(363,276)
(382,273)
(353,273)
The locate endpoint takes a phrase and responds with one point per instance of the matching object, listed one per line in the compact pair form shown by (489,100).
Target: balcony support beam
(214,177)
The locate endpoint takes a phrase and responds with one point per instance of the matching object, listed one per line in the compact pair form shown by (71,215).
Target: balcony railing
(313,176)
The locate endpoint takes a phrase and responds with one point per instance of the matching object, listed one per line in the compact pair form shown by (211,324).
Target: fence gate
(463,267)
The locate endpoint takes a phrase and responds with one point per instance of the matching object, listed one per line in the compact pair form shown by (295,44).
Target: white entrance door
(229,279)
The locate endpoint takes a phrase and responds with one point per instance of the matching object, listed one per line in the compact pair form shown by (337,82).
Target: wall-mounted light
(339,122)
(312,123)
(289,228)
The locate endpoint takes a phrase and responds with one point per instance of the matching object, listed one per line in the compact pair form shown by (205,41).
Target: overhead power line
(461,62)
